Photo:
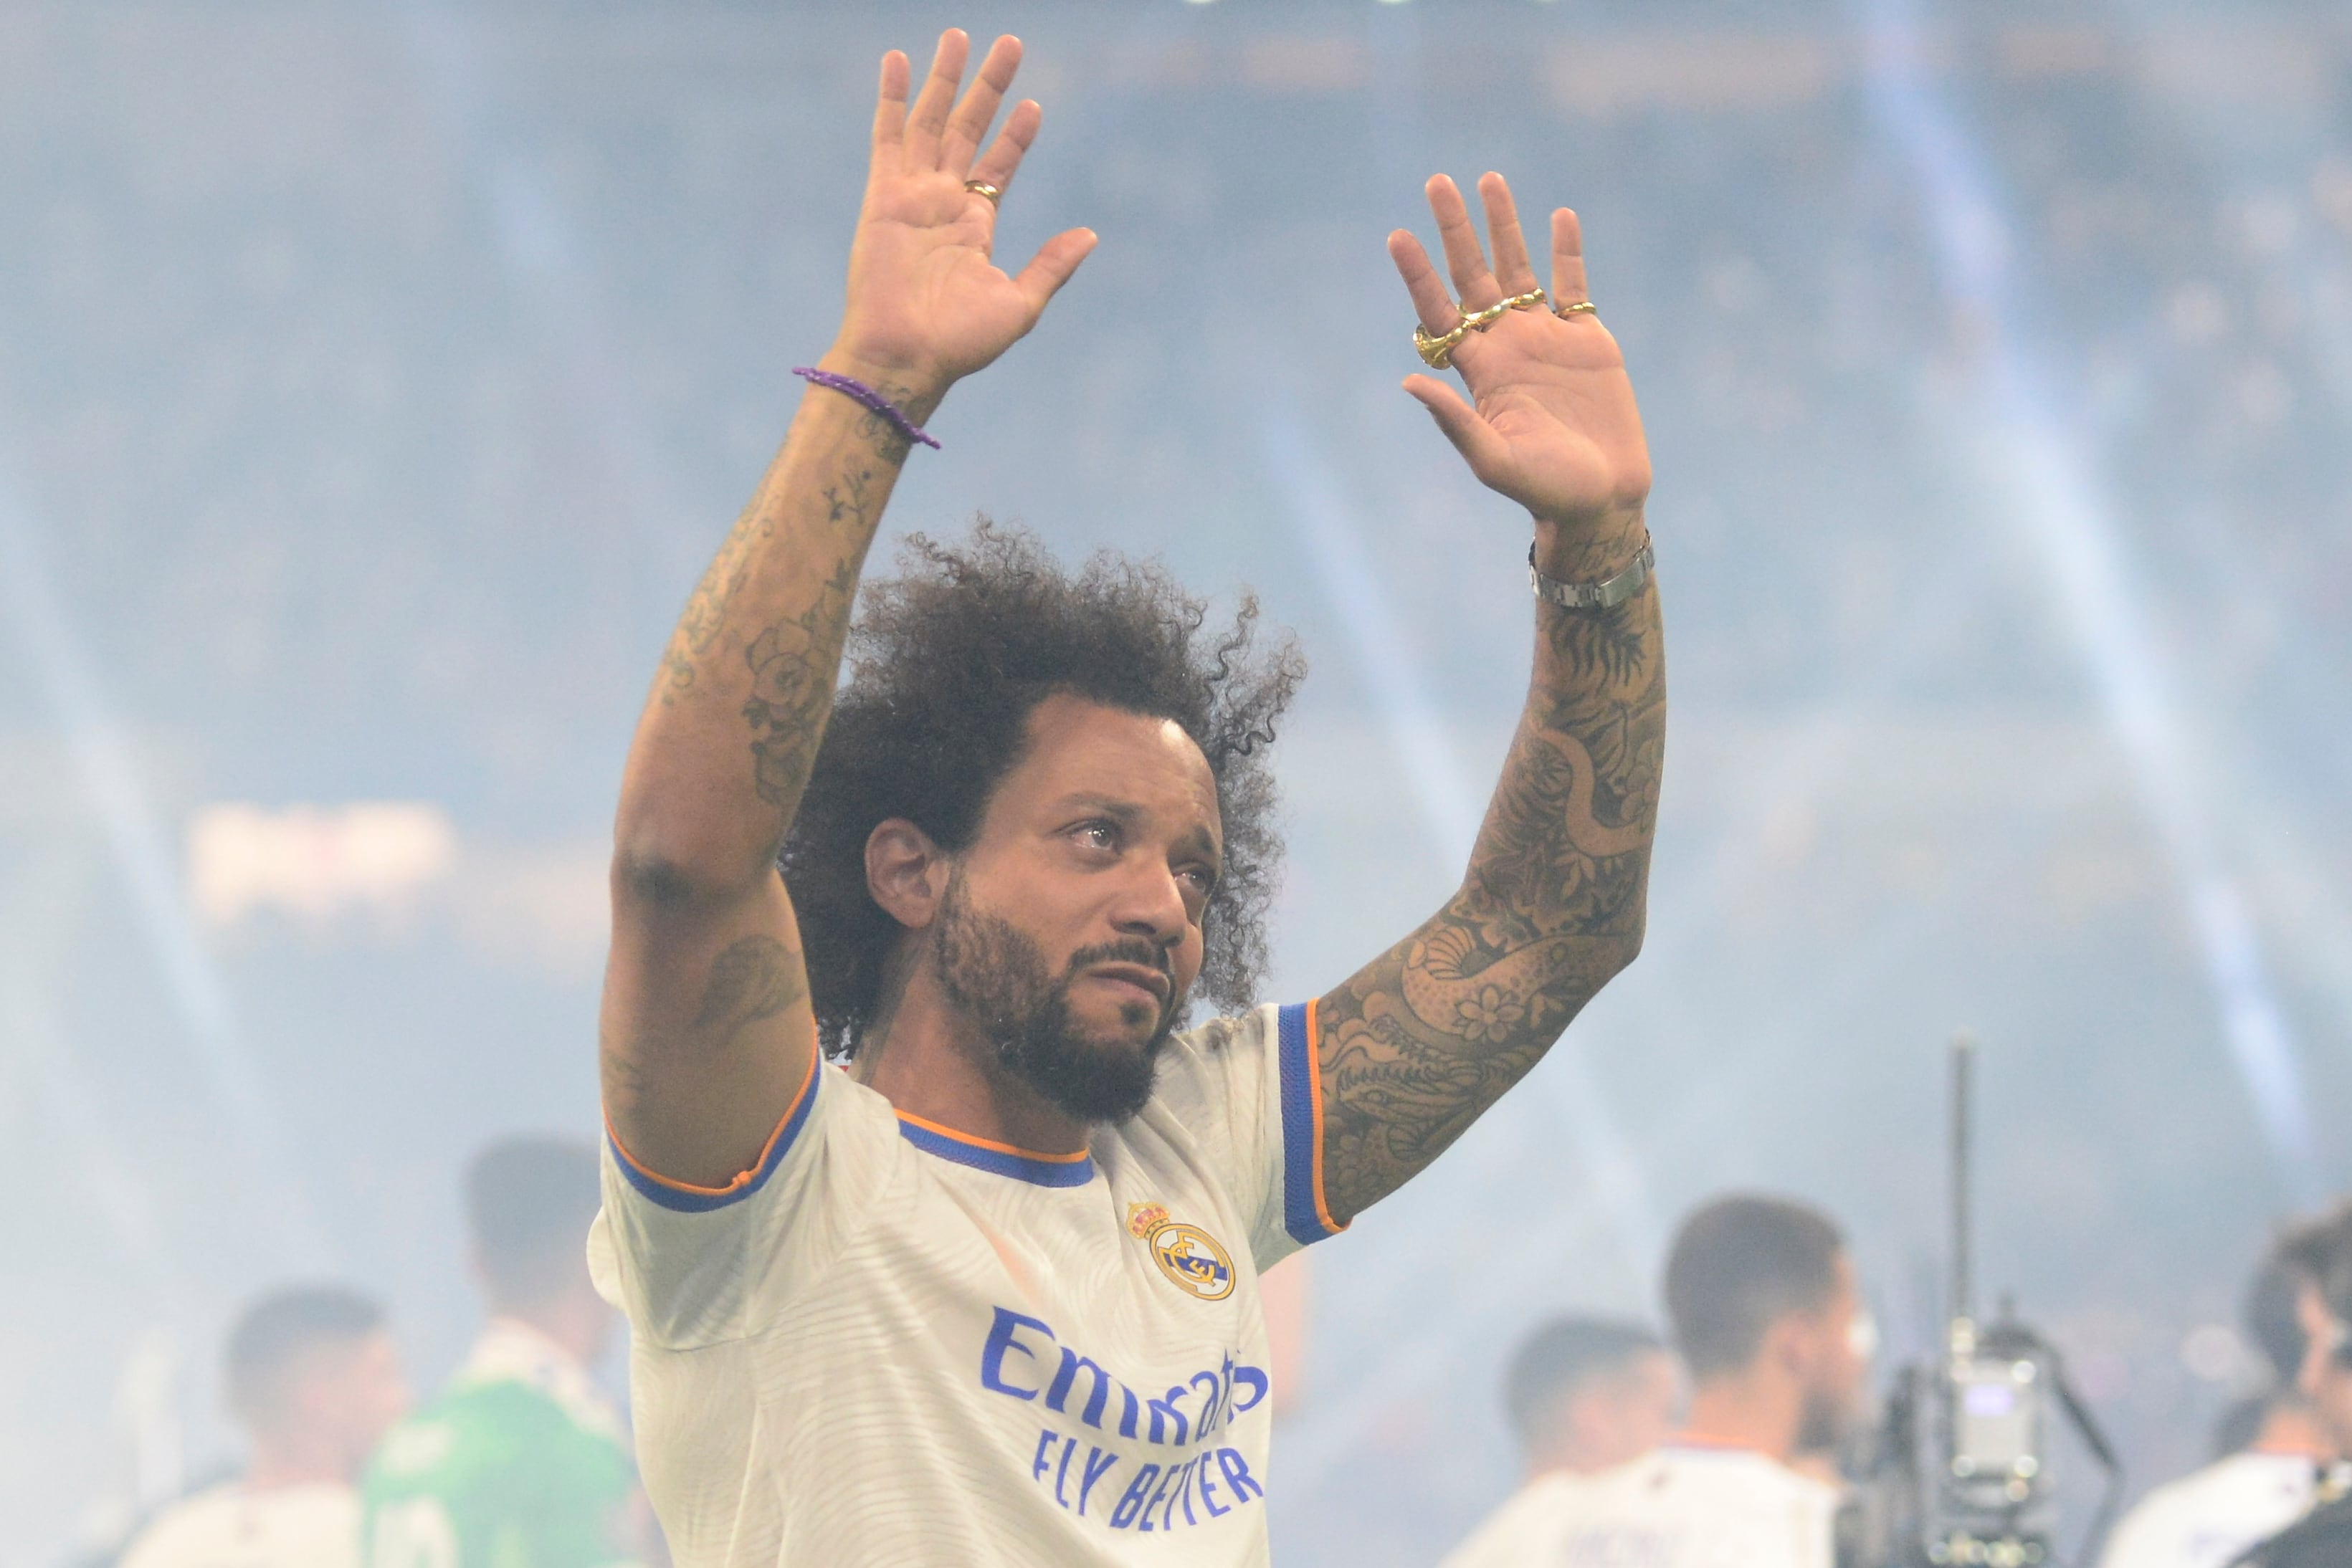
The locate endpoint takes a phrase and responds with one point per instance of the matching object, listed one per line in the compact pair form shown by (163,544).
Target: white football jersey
(2208,1517)
(231,1527)
(891,1342)
(1684,1506)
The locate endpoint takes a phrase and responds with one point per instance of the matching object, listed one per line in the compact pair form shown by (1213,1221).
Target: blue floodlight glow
(2071,531)
(68,685)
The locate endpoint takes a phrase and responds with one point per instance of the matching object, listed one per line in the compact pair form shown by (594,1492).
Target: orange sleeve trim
(1315,1099)
(744,1180)
(1298,1039)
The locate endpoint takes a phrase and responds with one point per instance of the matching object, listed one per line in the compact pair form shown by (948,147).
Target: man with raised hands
(990,1295)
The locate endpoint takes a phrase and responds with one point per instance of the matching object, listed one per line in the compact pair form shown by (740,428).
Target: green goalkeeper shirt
(521,1464)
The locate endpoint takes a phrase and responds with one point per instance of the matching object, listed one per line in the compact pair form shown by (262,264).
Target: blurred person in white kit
(2319,1255)
(1588,1394)
(2258,1488)
(1764,1309)
(315,1381)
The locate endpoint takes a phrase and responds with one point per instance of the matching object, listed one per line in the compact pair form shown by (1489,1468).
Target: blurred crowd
(522,1461)
(1765,1452)
(1747,1432)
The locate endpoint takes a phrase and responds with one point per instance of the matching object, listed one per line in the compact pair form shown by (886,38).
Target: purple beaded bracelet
(851,387)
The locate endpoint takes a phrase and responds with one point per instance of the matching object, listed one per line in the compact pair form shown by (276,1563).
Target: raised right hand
(927,306)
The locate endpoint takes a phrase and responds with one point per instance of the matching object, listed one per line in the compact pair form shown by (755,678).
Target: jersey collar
(1000,1159)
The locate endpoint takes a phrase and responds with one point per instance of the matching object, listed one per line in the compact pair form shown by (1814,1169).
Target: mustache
(1138,951)
(1128,950)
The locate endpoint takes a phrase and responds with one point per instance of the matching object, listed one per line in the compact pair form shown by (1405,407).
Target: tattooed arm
(707,1031)
(1418,1043)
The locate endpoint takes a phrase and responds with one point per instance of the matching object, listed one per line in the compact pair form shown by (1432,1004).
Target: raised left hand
(1552,423)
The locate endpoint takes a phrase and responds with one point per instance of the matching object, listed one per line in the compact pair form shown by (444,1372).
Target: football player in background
(2210,1518)
(1766,1315)
(522,1463)
(1585,1394)
(314,1379)
(2319,1255)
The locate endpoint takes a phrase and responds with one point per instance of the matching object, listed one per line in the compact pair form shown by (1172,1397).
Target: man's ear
(1789,1343)
(906,871)
(2318,1340)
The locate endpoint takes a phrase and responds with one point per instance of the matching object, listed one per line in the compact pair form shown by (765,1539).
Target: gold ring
(1528,301)
(1582,307)
(995,194)
(1437,352)
(1479,320)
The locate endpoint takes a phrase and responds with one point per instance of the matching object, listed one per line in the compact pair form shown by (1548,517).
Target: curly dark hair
(947,660)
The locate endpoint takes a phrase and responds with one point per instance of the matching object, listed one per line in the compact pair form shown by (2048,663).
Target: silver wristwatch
(1603,595)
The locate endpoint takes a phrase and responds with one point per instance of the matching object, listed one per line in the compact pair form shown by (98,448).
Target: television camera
(1960,1473)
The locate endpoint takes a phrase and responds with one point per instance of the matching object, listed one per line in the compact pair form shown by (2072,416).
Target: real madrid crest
(1185,1253)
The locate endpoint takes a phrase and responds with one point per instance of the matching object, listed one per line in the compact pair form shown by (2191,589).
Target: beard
(996,974)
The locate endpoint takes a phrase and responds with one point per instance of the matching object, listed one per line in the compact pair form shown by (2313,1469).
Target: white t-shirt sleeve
(1246,1092)
(696,1266)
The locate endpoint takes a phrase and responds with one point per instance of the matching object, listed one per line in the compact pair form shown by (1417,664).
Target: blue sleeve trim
(1304,1214)
(682,1198)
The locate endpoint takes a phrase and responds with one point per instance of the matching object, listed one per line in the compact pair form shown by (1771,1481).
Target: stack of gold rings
(1437,352)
